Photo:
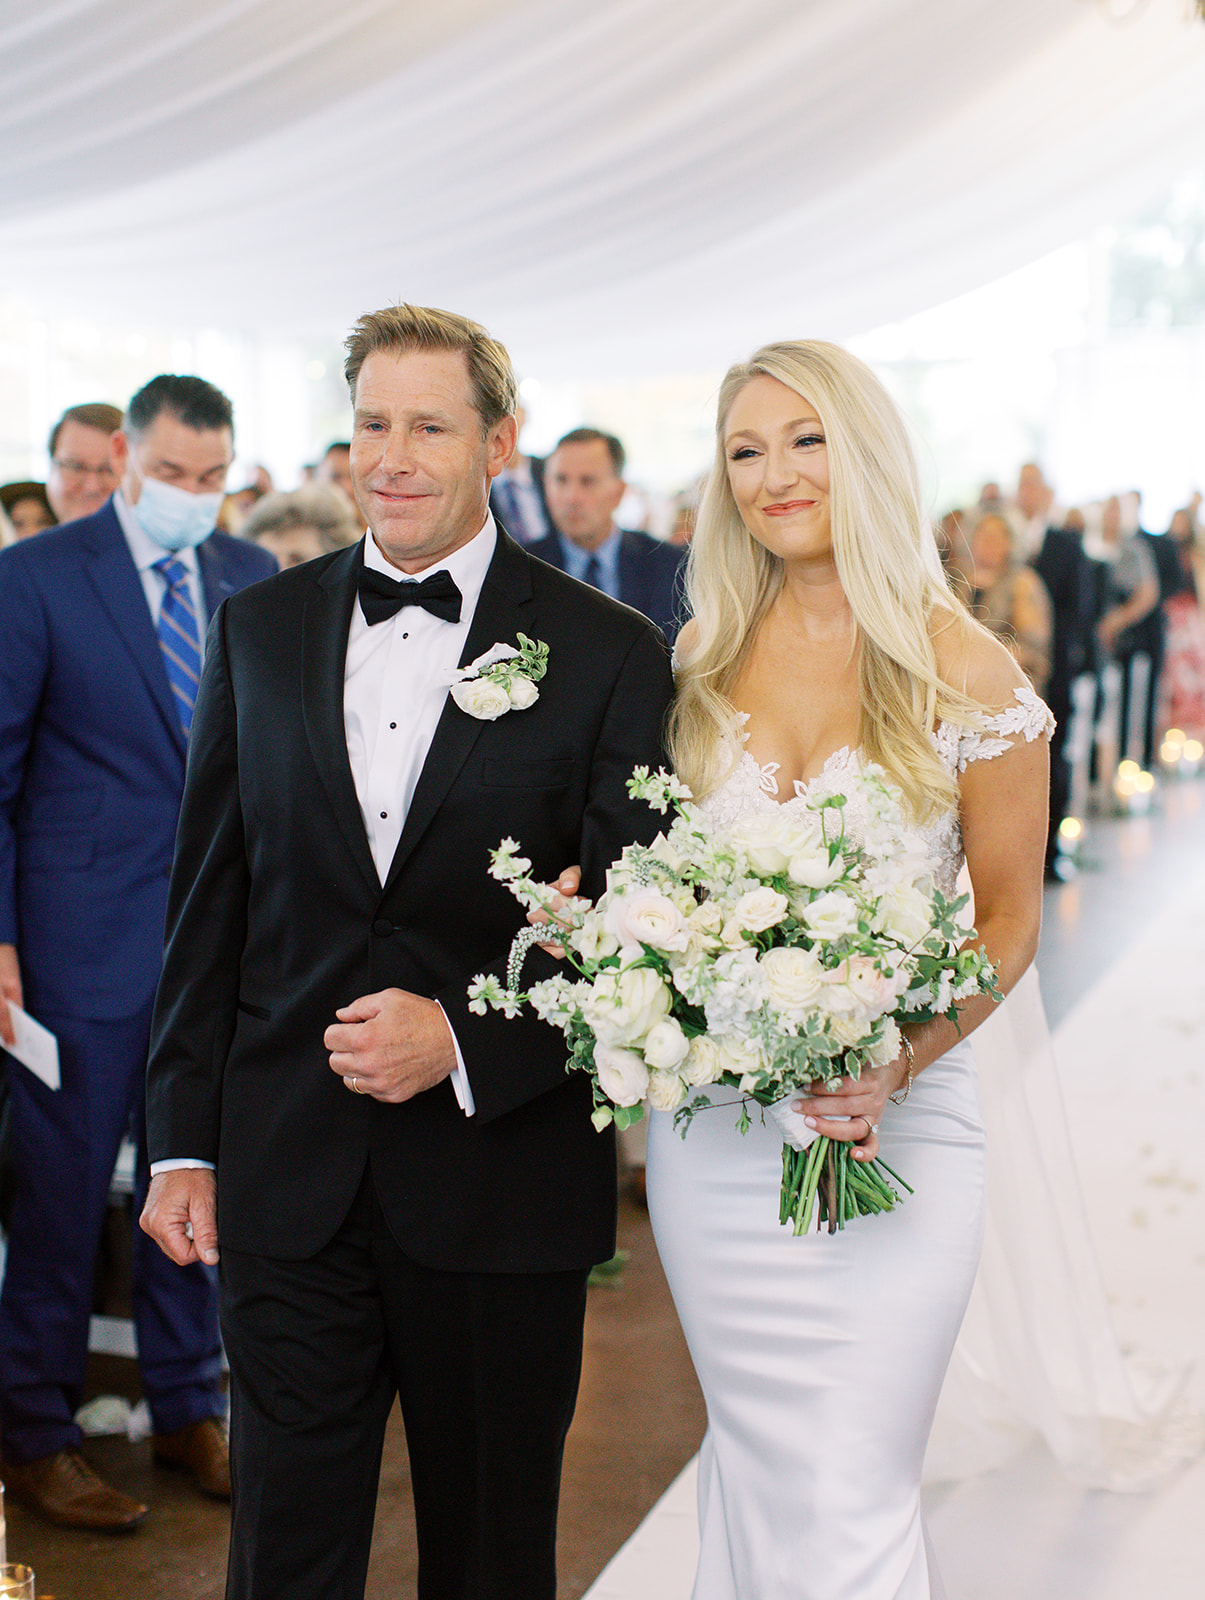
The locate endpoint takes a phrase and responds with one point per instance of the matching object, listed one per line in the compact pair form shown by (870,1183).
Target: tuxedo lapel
(499,615)
(325,626)
(115,578)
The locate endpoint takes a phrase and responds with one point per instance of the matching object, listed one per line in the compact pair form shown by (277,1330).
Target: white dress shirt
(395,686)
(146,552)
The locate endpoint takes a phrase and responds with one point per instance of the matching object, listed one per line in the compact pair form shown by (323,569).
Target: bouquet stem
(826,1181)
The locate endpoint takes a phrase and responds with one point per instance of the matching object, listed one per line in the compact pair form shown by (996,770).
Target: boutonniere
(503,679)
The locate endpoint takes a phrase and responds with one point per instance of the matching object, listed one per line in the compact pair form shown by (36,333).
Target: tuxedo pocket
(257,1012)
(521,774)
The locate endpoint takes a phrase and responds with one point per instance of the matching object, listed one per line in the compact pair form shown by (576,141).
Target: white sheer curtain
(647,185)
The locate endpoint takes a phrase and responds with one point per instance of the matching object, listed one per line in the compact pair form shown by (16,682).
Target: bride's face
(778,470)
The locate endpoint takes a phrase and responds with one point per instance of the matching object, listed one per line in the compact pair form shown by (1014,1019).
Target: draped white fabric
(641,186)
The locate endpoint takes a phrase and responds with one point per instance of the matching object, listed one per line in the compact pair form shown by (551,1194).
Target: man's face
(194,459)
(335,467)
(583,492)
(421,462)
(81,476)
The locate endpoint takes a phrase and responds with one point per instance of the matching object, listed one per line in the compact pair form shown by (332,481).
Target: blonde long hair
(887,563)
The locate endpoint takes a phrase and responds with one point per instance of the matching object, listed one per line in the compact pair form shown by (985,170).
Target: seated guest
(1009,598)
(583,484)
(82,476)
(517,493)
(28,509)
(307,523)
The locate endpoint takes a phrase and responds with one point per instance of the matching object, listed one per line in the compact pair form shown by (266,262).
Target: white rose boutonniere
(503,679)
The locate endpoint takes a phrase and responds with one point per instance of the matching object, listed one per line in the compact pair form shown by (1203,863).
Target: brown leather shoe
(65,1490)
(199,1449)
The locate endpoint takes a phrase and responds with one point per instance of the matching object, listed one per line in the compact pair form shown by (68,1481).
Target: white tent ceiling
(636,186)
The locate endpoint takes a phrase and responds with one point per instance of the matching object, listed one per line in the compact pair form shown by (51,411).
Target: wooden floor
(640,1416)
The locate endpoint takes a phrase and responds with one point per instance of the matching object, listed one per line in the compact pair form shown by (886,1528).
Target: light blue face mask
(174,518)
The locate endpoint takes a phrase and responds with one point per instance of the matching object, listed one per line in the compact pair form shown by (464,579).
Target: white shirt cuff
(460,1078)
(178,1163)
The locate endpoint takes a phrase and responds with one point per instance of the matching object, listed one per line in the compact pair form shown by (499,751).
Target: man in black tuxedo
(583,485)
(408,1196)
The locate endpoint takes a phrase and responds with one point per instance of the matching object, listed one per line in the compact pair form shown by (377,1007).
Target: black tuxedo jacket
(277,917)
(650,575)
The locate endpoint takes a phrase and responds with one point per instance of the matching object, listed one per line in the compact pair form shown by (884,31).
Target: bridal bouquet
(772,956)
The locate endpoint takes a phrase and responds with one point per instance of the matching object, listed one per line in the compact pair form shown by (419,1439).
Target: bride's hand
(860,1100)
(562,892)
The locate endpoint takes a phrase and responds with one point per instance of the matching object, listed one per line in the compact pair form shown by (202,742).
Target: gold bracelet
(897,1098)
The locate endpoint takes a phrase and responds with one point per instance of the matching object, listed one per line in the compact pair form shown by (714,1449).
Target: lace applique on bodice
(752,787)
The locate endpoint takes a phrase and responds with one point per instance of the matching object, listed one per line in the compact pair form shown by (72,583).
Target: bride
(822,639)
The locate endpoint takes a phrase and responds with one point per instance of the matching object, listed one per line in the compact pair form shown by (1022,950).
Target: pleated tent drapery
(638,186)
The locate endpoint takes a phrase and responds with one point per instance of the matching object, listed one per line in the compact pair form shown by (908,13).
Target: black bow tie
(382,597)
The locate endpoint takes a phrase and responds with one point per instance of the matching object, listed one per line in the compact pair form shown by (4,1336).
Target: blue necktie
(179,638)
(593,573)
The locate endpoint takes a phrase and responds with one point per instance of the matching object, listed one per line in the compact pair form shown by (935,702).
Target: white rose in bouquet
(645,916)
(760,837)
(622,1075)
(481,698)
(704,1062)
(760,909)
(794,977)
(830,916)
(666,1091)
(624,1005)
(904,914)
(811,868)
(666,1046)
(522,693)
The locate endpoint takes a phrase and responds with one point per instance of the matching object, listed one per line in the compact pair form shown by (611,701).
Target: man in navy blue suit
(103,622)
(583,485)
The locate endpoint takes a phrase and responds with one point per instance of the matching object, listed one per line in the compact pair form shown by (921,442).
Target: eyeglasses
(81,469)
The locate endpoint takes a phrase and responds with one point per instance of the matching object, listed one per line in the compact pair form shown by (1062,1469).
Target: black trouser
(486,1368)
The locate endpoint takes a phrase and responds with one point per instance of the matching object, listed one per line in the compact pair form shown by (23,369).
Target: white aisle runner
(1132,1065)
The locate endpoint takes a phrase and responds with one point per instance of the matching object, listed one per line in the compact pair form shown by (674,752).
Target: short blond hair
(403,328)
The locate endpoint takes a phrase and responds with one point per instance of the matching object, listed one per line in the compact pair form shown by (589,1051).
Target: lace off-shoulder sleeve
(1030,718)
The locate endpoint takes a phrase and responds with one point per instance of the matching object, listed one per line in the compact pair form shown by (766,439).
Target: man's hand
(10,989)
(391,1045)
(181,1215)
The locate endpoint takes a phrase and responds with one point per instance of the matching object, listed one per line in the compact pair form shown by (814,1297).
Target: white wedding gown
(821,1358)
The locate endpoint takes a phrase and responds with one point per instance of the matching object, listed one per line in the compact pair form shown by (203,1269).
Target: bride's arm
(1004,812)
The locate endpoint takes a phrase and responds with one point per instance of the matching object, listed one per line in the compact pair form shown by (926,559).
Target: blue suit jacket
(91,762)
(649,575)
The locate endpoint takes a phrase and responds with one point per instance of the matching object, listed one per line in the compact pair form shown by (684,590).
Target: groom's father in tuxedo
(408,1196)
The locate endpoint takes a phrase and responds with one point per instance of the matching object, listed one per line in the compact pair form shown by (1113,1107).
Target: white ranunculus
(760,909)
(522,693)
(622,1075)
(665,1091)
(874,991)
(830,916)
(706,919)
(666,1046)
(793,977)
(645,916)
(704,1062)
(481,698)
(760,837)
